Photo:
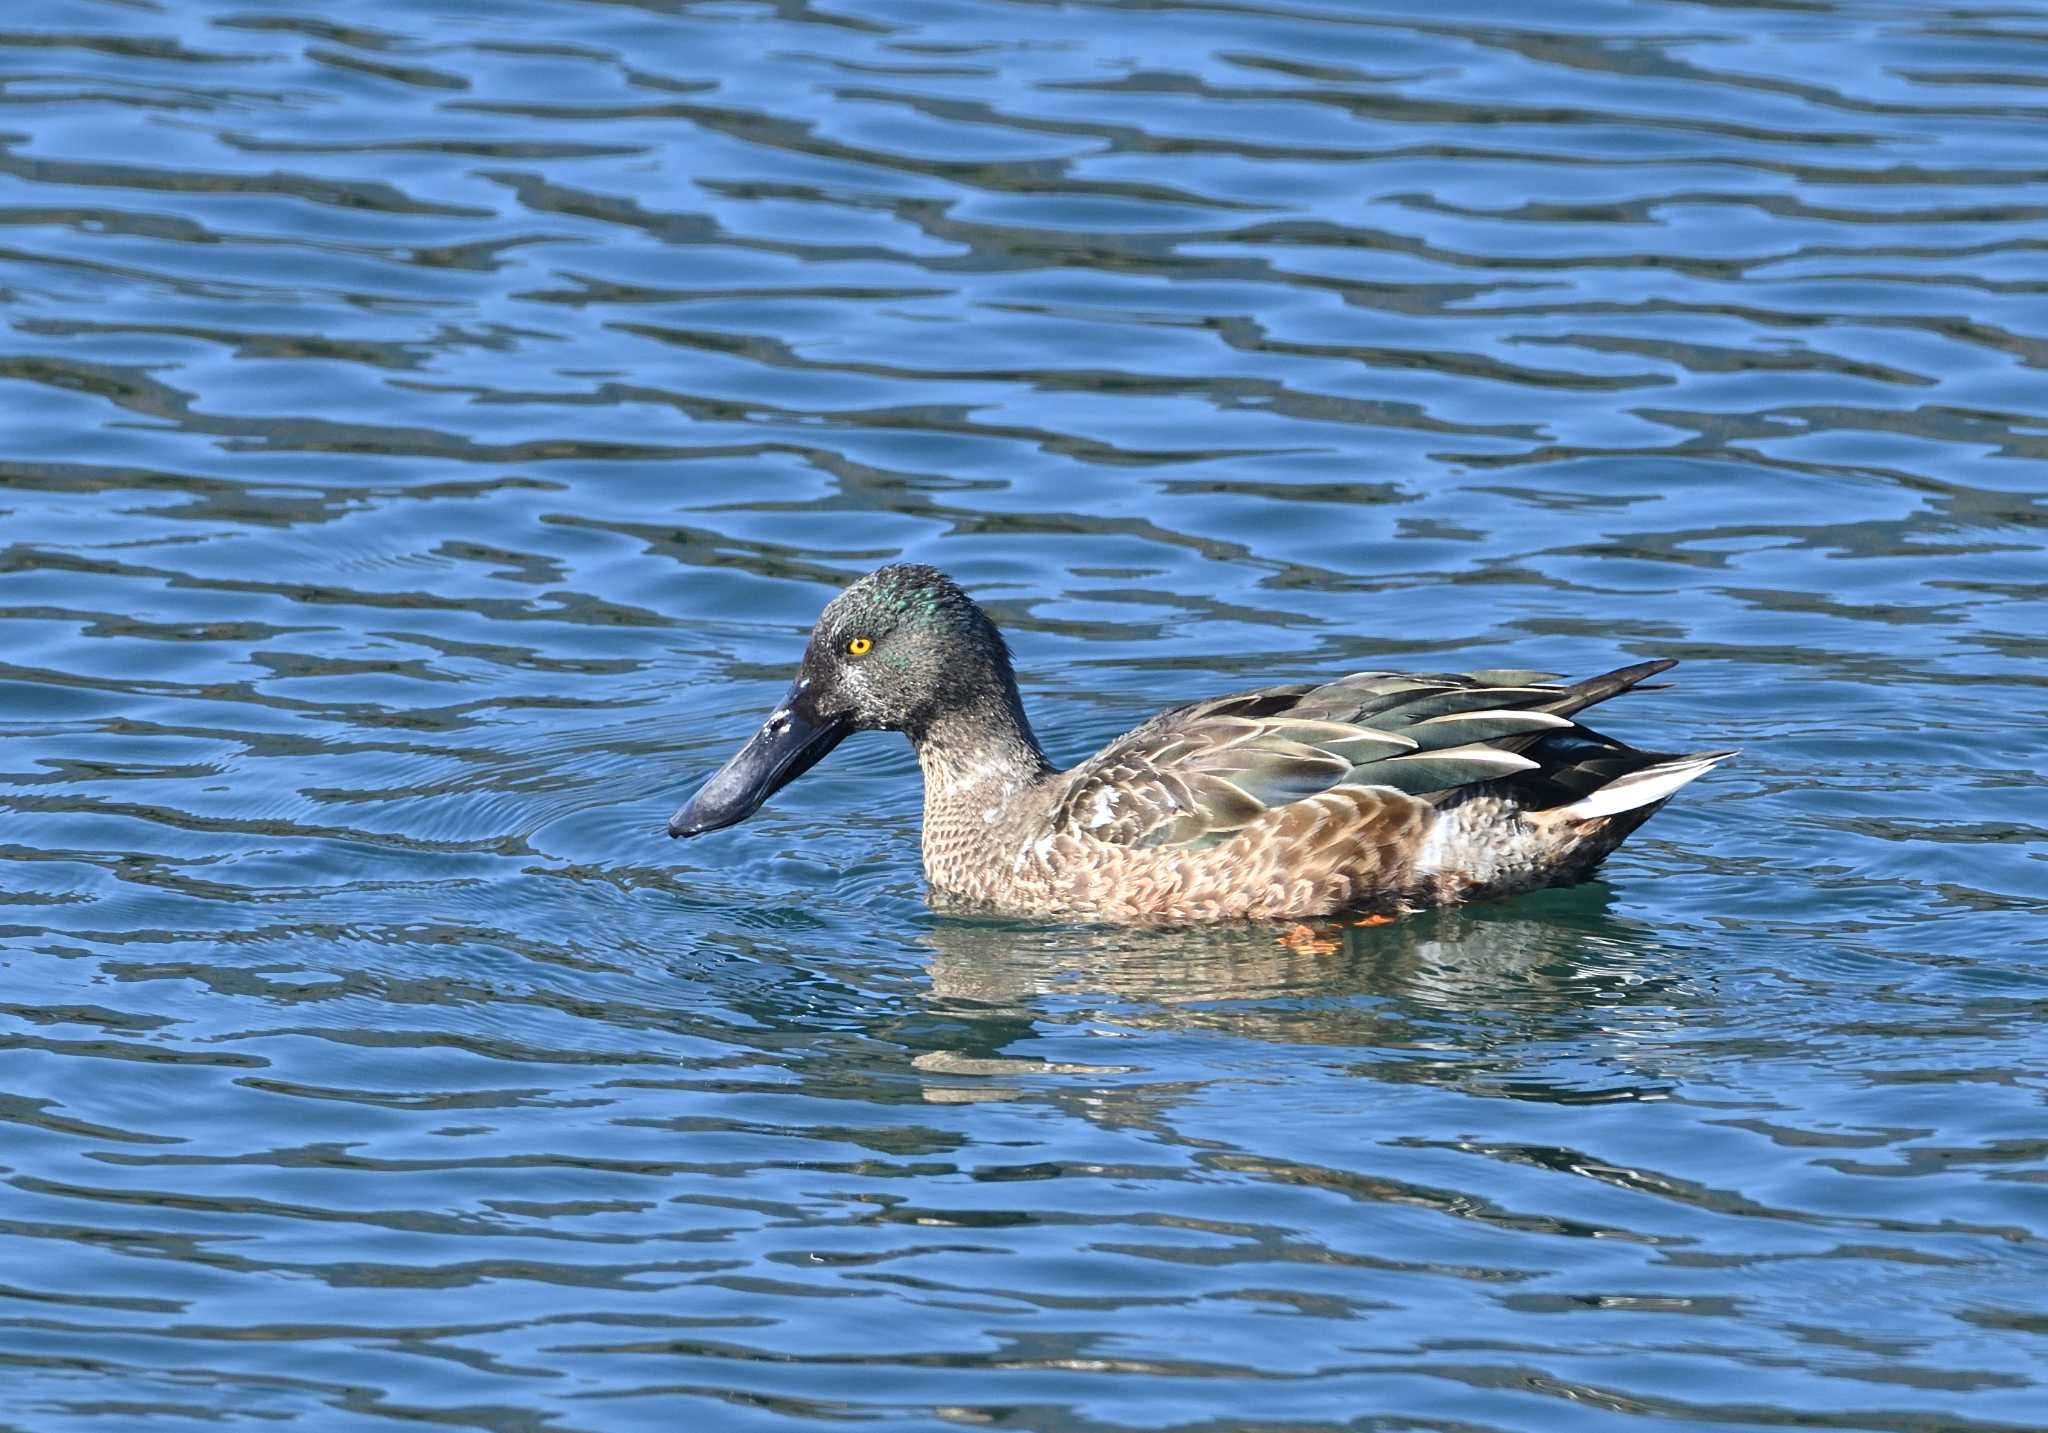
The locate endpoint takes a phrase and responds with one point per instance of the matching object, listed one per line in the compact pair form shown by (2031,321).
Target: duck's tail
(1580,695)
(1568,840)
(1645,786)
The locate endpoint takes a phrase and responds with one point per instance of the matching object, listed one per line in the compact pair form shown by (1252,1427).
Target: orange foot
(1375,920)
(1306,940)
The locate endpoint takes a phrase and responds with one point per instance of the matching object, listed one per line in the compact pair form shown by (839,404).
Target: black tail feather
(1580,695)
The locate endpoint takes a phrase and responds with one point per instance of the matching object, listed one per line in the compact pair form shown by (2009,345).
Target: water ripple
(432,433)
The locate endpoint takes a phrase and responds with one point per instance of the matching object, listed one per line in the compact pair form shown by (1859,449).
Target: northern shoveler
(1375,793)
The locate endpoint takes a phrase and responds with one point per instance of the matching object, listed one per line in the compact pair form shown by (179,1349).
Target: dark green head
(903,646)
(897,651)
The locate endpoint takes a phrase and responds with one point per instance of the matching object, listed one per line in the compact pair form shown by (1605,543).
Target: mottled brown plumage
(1378,791)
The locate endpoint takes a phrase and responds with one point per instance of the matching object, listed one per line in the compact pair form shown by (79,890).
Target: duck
(1376,794)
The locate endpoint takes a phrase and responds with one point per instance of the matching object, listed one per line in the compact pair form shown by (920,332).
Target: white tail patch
(1642,788)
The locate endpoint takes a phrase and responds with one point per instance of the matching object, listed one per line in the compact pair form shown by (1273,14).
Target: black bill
(792,741)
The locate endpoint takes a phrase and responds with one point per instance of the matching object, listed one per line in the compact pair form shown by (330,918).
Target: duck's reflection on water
(1456,996)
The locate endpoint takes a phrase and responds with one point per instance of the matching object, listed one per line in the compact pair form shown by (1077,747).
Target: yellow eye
(858,646)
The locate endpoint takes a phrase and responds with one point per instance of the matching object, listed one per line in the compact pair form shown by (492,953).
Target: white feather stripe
(1336,733)
(1430,859)
(1530,721)
(1641,788)
(1486,759)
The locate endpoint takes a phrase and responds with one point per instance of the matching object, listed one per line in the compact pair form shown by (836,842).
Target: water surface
(427,431)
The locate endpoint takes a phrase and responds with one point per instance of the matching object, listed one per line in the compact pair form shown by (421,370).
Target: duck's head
(897,651)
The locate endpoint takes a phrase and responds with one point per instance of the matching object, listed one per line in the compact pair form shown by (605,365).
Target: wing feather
(1198,774)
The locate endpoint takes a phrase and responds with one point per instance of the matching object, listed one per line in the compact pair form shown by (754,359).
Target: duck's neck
(978,755)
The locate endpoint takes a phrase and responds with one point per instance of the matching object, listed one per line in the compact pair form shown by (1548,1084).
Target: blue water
(427,431)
